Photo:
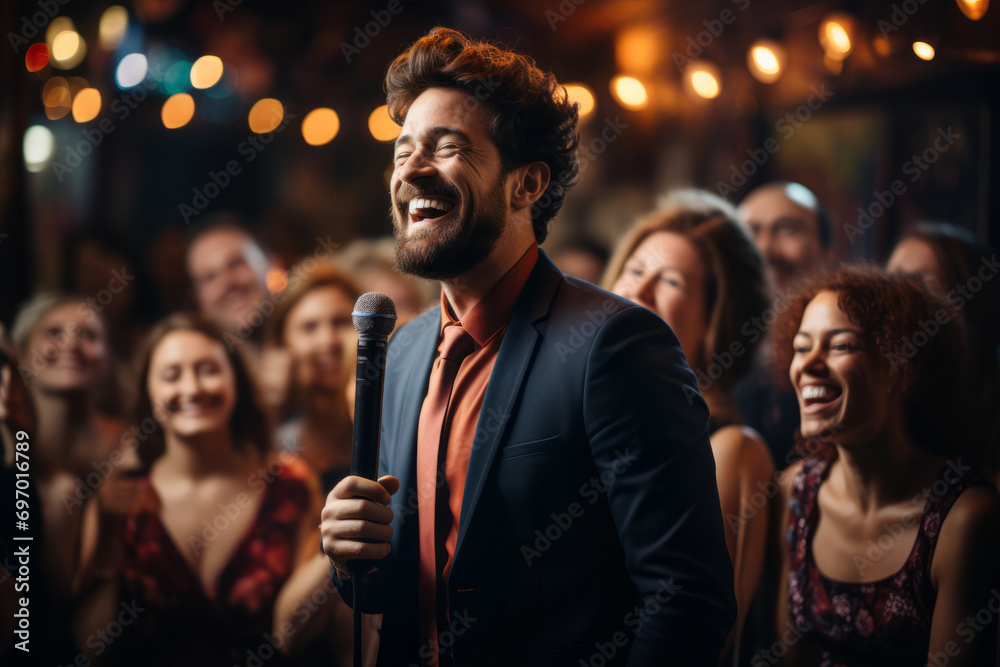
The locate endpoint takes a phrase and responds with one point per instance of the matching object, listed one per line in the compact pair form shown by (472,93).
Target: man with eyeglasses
(792,229)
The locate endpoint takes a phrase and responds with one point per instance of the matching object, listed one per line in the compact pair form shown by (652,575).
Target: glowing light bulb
(923,50)
(629,92)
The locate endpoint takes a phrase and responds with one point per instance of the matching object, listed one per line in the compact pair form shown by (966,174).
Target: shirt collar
(491,313)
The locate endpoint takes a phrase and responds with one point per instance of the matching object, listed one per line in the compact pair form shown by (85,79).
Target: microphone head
(374,313)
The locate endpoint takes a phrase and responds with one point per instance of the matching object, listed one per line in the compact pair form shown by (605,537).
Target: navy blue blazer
(591,531)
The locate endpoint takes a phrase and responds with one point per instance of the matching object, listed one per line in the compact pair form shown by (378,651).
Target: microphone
(374,318)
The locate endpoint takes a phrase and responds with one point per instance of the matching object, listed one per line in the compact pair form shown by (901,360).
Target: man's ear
(530,183)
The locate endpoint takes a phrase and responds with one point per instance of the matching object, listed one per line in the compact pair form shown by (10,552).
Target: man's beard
(446,250)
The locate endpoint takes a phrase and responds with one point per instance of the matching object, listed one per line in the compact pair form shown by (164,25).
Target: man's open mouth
(429,209)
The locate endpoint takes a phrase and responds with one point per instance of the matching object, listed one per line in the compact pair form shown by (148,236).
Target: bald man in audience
(228,271)
(792,229)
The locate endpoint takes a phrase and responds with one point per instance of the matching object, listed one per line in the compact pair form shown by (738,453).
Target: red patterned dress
(884,622)
(176,621)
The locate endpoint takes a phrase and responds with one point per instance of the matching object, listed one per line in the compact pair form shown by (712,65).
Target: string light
(629,92)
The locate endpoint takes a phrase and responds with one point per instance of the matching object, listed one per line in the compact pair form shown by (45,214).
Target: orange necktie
(431,433)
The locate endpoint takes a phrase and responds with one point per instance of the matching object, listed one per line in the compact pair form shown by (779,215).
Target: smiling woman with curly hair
(889,541)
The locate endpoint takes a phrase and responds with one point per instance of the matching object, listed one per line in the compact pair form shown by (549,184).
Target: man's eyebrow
(435,132)
(788,220)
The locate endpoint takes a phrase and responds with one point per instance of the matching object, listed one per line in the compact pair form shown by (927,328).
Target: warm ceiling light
(923,50)
(974,9)
(177,111)
(702,79)
(68,49)
(629,92)
(637,48)
(112,27)
(765,60)
(382,127)
(206,72)
(320,126)
(266,115)
(86,105)
(581,94)
(836,35)
(56,97)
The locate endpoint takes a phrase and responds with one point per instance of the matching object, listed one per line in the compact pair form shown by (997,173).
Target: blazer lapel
(513,360)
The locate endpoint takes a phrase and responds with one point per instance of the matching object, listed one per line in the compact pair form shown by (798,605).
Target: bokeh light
(382,127)
(86,105)
(583,96)
(277,280)
(923,50)
(629,92)
(882,46)
(836,36)
(177,78)
(974,9)
(766,60)
(37,57)
(56,97)
(638,47)
(265,115)
(177,111)
(131,70)
(68,49)
(56,26)
(112,27)
(38,146)
(320,126)
(206,71)
(701,78)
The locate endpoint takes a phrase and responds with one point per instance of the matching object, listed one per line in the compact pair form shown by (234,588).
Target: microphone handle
(368,404)
(368,416)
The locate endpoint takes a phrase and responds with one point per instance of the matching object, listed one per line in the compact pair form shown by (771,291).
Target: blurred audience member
(958,268)
(889,550)
(581,258)
(794,234)
(692,264)
(62,352)
(313,325)
(371,264)
(219,547)
(228,270)
(792,230)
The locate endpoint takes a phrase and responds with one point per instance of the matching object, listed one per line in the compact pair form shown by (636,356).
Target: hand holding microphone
(356,517)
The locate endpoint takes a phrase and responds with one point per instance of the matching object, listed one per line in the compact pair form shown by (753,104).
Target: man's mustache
(408,191)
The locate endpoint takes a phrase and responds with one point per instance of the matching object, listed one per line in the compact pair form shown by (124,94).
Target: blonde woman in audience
(63,359)
(691,263)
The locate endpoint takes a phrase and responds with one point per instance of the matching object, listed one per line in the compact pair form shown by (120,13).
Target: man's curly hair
(533,119)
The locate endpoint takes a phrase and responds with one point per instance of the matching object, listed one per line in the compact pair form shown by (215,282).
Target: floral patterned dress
(884,622)
(178,622)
